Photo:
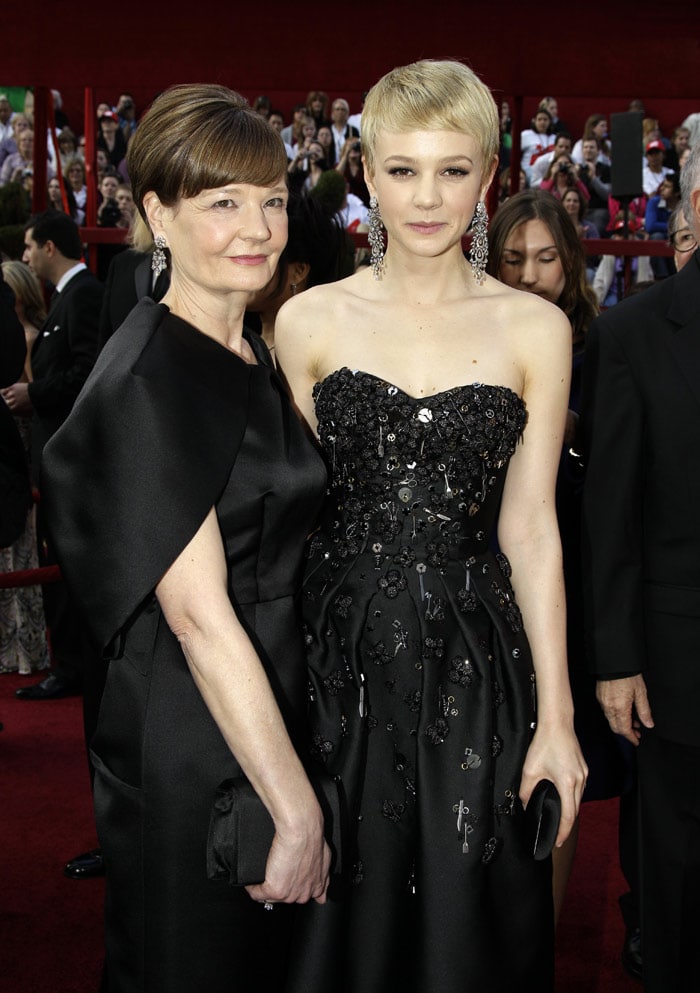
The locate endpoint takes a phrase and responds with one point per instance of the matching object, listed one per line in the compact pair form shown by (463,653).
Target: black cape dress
(169,424)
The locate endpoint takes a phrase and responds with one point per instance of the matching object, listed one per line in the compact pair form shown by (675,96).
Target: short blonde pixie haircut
(431,95)
(198,137)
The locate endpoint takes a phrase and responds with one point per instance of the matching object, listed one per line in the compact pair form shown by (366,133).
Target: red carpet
(50,926)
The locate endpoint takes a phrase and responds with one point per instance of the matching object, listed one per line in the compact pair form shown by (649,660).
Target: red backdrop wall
(592,57)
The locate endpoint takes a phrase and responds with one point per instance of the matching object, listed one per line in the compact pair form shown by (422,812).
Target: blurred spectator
(292,132)
(127,207)
(8,146)
(111,138)
(74,177)
(656,220)
(597,178)
(341,130)
(551,105)
(262,106)
(325,139)
(67,147)
(126,112)
(654,170)
(351,169)
(562,176)
(536,140)
(356,119)
(596,127)
(609,279)
(575,205)
(504,184)
(506,141)
(539,170)
(20,163)
(55,200)
(680,141)
(5,118)
(24,646)
(317,108)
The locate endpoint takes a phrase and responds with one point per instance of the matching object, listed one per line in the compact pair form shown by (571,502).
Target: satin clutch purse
(241,830)
(542,816)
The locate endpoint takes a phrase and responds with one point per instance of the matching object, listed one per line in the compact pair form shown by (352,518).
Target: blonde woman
(439,396)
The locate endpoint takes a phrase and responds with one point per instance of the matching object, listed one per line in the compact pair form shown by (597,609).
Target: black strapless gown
(423,696)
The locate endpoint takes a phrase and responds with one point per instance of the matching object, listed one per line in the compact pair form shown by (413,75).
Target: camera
(355,147)
(109,214)
(564,167)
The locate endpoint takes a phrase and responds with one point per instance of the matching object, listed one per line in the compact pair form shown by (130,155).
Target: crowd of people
(345,559)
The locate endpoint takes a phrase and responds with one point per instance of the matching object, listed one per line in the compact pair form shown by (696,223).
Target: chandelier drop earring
(159,262)
(375,237)
(479,251)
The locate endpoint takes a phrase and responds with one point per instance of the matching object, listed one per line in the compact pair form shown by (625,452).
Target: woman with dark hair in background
(534,247)
(182,488)
(324,137)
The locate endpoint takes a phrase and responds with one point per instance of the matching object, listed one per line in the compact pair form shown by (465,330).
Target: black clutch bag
(241,830)
(542,816)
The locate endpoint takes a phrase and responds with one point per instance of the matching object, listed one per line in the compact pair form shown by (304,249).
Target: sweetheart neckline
(430,396)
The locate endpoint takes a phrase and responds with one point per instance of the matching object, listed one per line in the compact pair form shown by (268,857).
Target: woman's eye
(400,171)
(456,172)
(277,202)
(225,203)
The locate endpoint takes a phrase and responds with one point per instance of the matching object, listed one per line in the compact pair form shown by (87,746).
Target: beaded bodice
(415,470)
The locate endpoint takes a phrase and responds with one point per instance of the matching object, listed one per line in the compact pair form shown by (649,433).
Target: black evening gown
(159,756)
(423,698)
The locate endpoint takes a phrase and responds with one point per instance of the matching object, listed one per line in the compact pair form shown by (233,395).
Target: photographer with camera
(350,167)
(562,176)
(126,112)
(596,177)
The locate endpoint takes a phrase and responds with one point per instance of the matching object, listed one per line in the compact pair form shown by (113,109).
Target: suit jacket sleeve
(612,432)
(59,374)
(146,452)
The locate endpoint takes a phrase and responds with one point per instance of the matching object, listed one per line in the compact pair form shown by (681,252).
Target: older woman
(439,396)
(180,492)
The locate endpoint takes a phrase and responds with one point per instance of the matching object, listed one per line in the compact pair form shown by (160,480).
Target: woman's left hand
(298,867)
(556,755)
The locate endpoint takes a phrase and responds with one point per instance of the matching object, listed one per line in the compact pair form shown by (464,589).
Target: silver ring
(268,906)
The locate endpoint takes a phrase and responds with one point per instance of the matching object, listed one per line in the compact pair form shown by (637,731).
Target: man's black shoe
(632,953)
(86,866)
(53,687)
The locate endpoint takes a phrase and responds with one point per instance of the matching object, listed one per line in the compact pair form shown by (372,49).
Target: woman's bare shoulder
(528,315)
(321,300)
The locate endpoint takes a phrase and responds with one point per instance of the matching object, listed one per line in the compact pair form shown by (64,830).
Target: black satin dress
(184,424)
(423,698)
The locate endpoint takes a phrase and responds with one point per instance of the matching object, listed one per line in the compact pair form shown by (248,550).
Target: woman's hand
(556,755)
(297,866)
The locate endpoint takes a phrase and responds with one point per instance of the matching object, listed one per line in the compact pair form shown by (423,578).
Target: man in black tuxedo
(62,357)
(641,543)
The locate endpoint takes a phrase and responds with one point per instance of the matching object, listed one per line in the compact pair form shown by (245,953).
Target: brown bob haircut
(198,137)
